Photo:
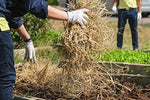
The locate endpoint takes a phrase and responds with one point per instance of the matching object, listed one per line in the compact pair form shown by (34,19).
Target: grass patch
(50,54)
(18,59)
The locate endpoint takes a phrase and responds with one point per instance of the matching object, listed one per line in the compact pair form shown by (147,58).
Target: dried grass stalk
(77,77)
(97,36)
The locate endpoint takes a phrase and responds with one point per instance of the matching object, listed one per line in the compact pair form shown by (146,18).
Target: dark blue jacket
(13,10)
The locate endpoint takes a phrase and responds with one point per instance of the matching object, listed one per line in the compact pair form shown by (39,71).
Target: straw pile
(78,77)
(42,80)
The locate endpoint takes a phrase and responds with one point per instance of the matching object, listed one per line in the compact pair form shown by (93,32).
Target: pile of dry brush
(79,76)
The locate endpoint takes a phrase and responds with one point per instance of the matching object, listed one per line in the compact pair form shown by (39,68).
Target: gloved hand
(78,16)
(139,16)
(114,9)
(29,52)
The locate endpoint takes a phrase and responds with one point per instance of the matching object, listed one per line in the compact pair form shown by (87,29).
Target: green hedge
(37,28)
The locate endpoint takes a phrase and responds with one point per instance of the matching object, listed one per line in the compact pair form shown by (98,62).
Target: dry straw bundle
(97,36)
(78,77)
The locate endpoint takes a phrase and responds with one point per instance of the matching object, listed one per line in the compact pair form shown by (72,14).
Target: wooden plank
(135,68)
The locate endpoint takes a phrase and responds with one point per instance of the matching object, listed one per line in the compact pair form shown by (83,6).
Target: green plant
(147,46)
(126,56)
(130,72)
(18,59)
(49,53)
(34,26)
(147,70)
(53,36)
(53,2)
(18,43)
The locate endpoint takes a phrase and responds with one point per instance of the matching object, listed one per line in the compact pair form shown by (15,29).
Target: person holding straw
(11,13)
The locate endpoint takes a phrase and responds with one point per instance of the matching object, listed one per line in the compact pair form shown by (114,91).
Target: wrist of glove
(139,16)
(29,51)
(78,16)
(114,9)
(27,40)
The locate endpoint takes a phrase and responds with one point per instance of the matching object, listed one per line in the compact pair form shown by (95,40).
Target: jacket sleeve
(39,8)
(15,22)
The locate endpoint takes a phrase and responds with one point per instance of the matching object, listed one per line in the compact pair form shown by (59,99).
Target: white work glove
(29,52)
(139,16)
(78,16)
(114,9)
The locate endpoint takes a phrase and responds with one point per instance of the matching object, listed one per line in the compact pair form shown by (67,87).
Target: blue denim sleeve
(15,22)
(39,8)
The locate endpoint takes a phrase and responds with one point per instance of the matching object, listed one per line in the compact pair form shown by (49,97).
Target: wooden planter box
(135,68)
(137,76)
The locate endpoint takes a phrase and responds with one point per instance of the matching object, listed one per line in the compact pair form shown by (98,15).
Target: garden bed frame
(137,76)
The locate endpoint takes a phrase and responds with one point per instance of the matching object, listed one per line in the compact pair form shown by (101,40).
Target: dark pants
(131,15)
(7,70)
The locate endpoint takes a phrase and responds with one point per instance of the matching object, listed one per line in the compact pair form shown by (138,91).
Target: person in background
(11,13)
(131,10)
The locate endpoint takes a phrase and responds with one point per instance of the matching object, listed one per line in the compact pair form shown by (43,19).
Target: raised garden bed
(132,68)
(135,73)
(136,77)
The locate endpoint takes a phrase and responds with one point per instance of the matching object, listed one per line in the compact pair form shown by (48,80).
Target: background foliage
(39,29)
(53,2)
